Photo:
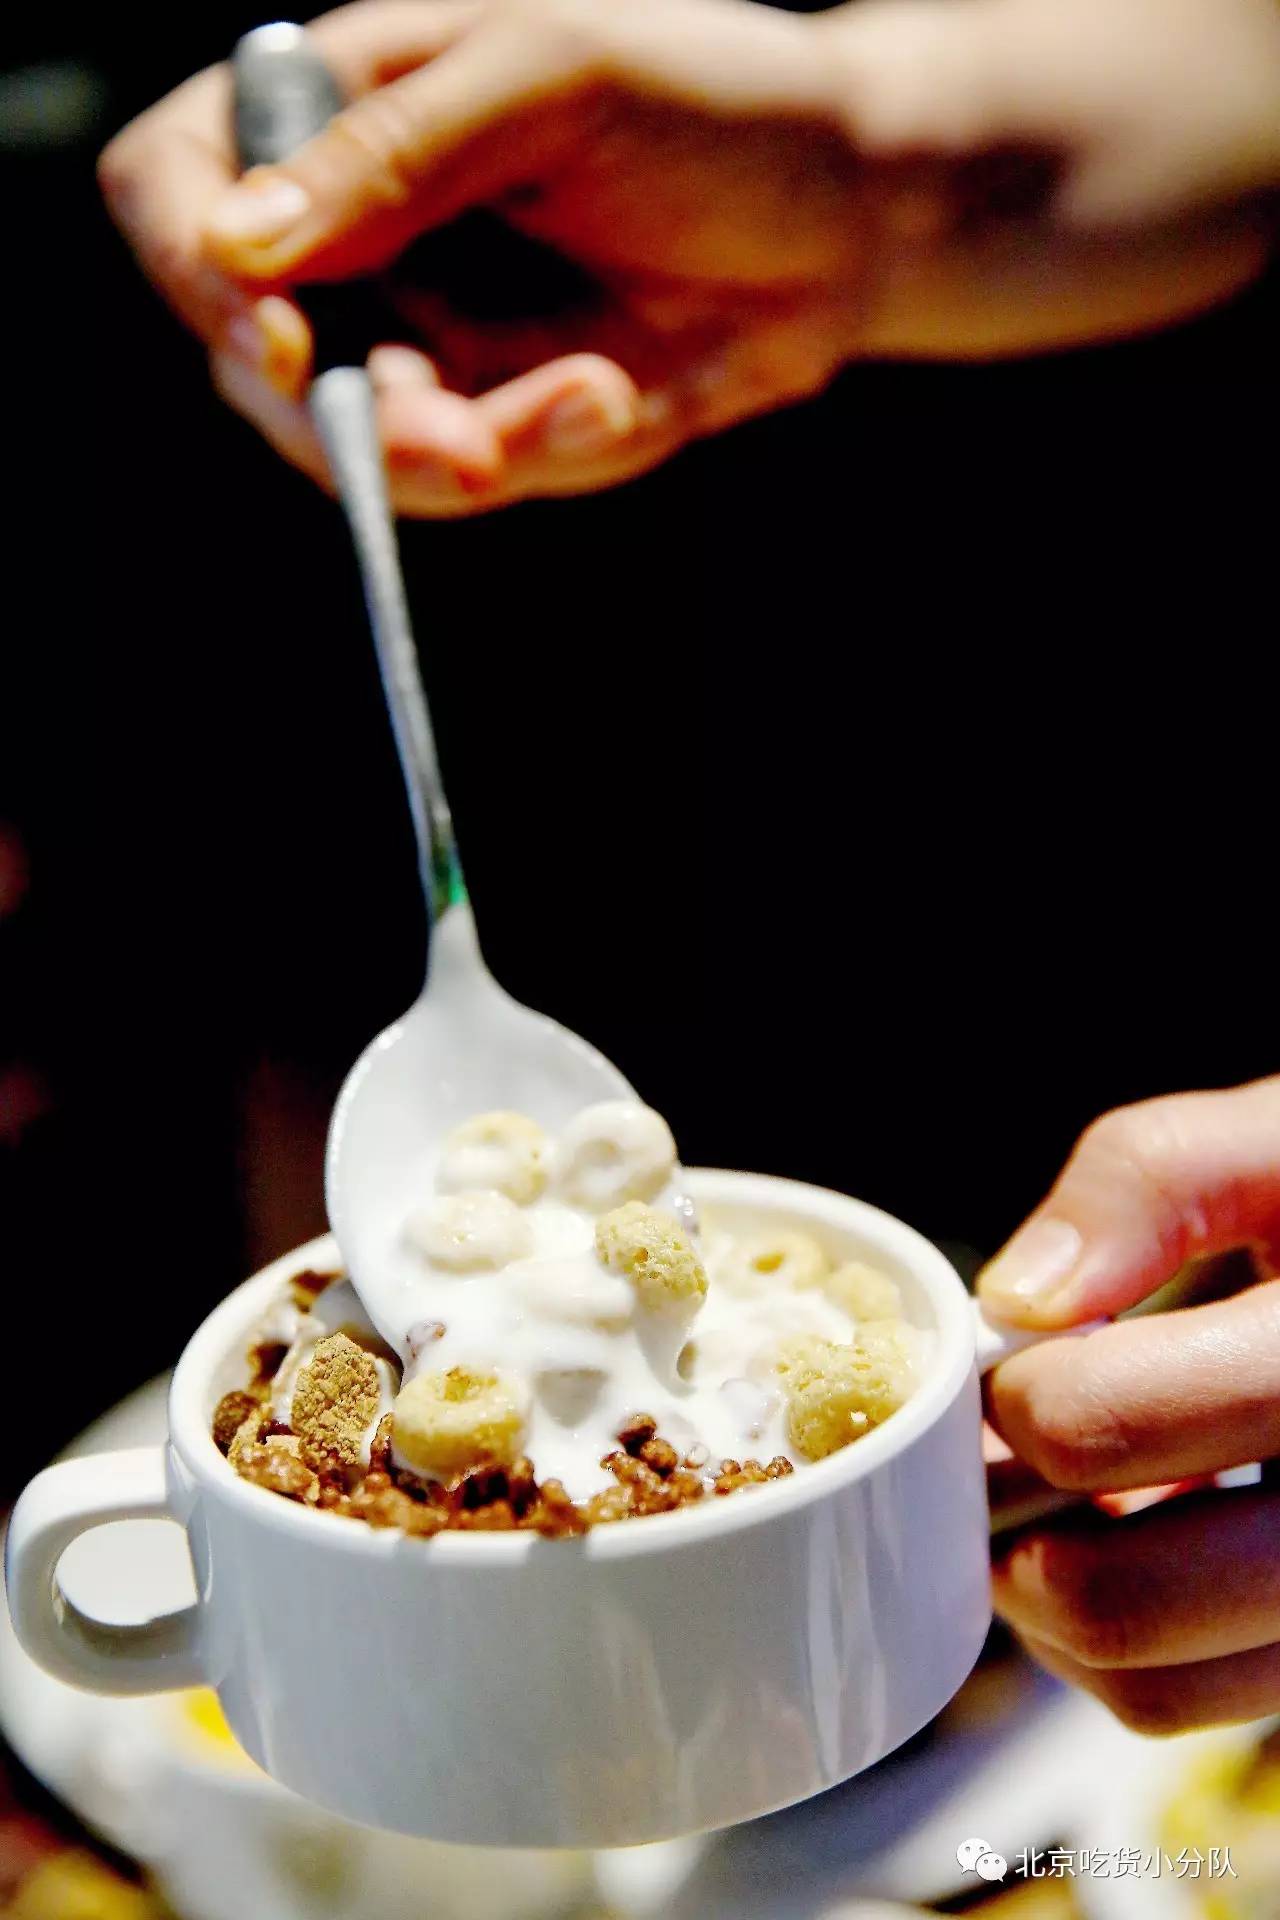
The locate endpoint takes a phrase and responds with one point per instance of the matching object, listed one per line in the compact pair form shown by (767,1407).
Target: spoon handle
(283,94)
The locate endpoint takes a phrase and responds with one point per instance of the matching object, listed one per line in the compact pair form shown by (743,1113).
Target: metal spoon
(465,1046)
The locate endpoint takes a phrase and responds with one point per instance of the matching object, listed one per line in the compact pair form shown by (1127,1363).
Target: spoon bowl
(464,1047)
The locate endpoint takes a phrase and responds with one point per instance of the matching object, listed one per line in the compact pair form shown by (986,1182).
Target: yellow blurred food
(1230,1801)
(1032,1900)
(75,1886)
(202,1725)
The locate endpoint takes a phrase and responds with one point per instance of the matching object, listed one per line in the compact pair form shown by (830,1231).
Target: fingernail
(258,211)
(586,422)
(287,343)
(401,367)
(271,338)
(1034,1270)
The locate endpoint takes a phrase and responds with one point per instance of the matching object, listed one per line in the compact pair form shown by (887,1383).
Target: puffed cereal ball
(499,1152)
(467,1231)
(837,1393)
(444,1423)
(863,1292)
(894,1344)
(782,1258)
(612,1152)
(656,1255)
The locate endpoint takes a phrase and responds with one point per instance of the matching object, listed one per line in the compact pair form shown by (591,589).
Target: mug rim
(192,1441)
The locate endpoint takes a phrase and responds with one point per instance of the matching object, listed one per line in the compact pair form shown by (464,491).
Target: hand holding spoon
(465,1046)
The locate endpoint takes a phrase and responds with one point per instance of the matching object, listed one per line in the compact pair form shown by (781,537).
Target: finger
(273,339)
(375,42)
(1019,1497)
(1193,1579)
(1148,1188)
(1162,1701)
(499,108)
(164,172)
(158,178)
(441,453)
(494,109)
(579,424)
(446,456)
(1147,1401)
(441,457)
(562,420)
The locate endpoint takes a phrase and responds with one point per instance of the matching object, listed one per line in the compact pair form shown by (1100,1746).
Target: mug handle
(59,1505)
(996,1341)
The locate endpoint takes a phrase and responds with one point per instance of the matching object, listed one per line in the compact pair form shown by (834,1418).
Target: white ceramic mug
(653,1678)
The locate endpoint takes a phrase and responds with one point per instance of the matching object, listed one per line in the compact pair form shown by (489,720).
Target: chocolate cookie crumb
(229,1416)
(661,1456)
(496,1517)
(554,1514)
(380,1504)
(274,1466)
(603,1508)
(734,1475)
(306,1287)
(266,1360)
(380,1446)
(335,1401)
(637,1430)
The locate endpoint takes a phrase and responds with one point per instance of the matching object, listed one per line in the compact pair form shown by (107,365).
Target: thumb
(398,161)
(1148,1188)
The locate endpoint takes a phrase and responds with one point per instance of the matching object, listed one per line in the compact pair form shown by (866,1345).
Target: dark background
(888,786)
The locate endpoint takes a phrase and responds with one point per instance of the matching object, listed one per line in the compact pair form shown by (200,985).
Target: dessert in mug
(571,1349)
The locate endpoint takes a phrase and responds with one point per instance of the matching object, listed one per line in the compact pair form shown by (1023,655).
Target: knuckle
(1142,1139)
(378,133)
(1146,1146)
(1116,1135)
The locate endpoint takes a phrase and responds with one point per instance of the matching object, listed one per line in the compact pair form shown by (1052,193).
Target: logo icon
(980,1857)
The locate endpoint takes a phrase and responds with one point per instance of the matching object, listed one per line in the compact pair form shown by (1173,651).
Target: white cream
(534,1303)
